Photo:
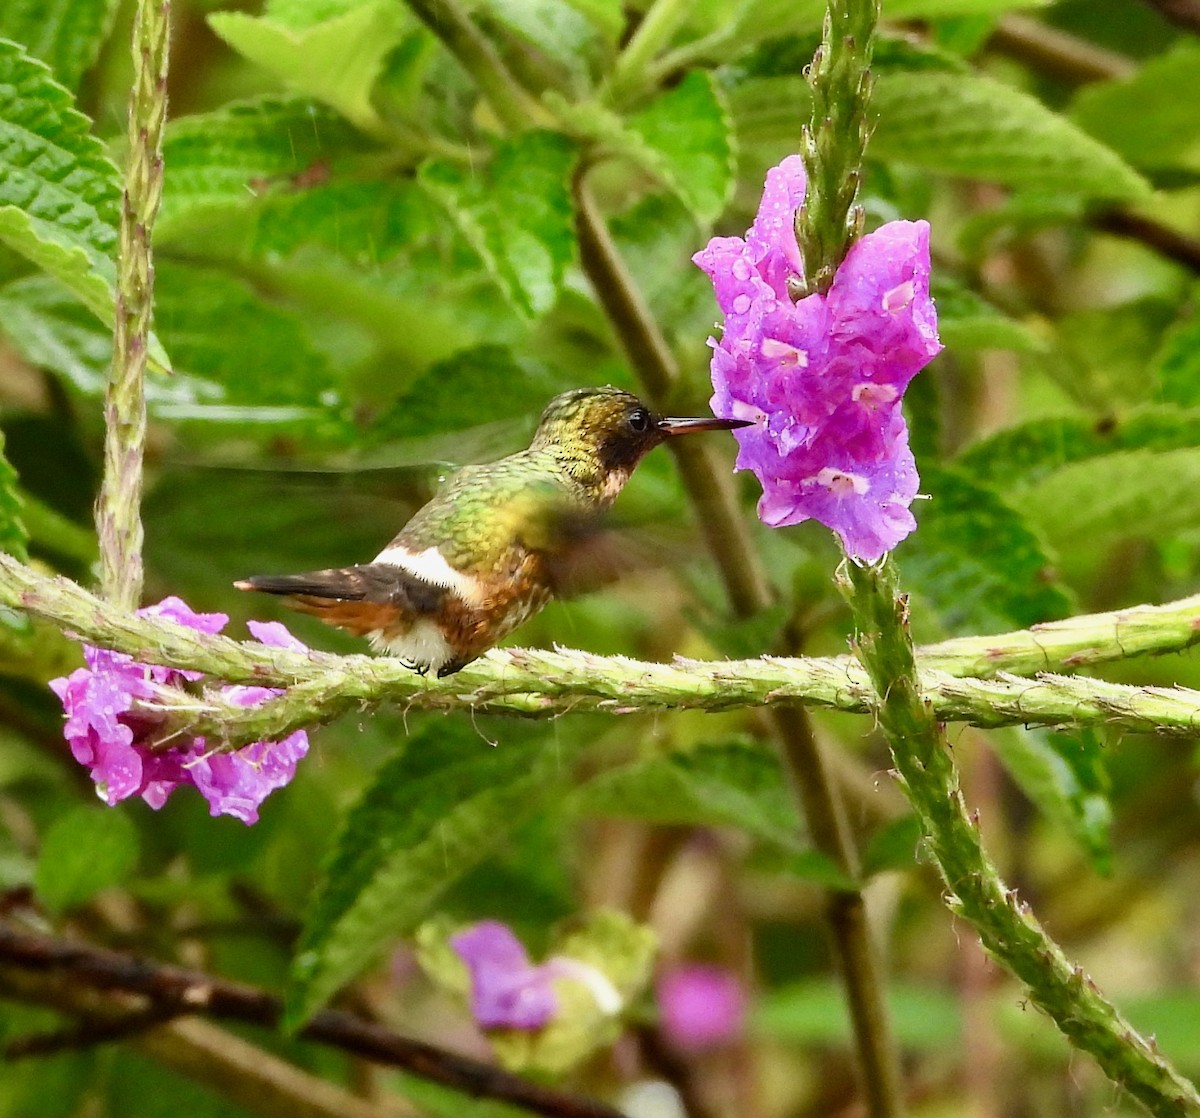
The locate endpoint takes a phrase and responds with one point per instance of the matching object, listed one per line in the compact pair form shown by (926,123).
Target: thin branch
(118,508)
(1006,926)
(195,993)
(1057,53)
(1182,13)
(1164,240)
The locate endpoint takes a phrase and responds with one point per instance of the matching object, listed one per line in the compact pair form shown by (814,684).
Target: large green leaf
(556,30)
(966,124)
(1064,775)
(977,559)
(1149,118)
(236,155)
(516,213)
(688,129)
(730,784)
(1022,456)
(85,851)
(1176,366)
(59,194)
(65,34)
(445,802)
(335,59)
(13,536)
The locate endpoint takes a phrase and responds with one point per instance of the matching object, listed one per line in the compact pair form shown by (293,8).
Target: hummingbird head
(613,428)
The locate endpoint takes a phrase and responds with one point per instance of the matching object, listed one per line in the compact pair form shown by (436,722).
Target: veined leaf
(966,124)
(335,60)
(1064,775)
(237,154)
(434,811)
(1149,118)
(65,34)
(59,194)
(13,536)
(516,214)
(556,30)
(730,784)
(688,131)
(1021,457)
(977,558)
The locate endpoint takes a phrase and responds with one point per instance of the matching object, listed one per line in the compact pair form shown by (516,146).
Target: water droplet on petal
(741,304)
(741,269)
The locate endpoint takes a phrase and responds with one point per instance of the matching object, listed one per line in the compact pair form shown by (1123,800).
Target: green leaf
(977,559)
(688,132)
(516,214)
(730,784)
(1149,118)
(1020,457)
(236,155)
(556,30)
(445,802)
(1065,776)
(893,846)
(85,851)
(942,9)
(965,124)
(13,536)
(1176,366)
(336,60)
(967,321)
(59,194)
(815,1013)
(65,34)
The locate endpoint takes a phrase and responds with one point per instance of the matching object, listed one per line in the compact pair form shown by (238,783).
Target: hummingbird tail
(363,599)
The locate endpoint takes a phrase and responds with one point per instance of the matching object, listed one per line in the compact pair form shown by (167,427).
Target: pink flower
(107,735)
(701,1007)
(509,992)
(822,379)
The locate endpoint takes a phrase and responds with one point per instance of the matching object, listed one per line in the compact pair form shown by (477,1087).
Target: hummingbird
(493,546)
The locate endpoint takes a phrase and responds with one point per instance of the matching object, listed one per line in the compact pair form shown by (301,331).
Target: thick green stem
(118,508)
(1005,925)
(652,34)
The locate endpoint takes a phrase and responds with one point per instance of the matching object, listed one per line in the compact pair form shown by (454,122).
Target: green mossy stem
(910,719)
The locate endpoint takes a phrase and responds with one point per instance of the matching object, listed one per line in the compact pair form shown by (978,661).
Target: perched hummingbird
(491,548)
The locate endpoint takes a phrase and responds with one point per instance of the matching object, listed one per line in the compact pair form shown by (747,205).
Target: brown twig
(1182,13)
(1164,240)
(1056,53)
(175,991)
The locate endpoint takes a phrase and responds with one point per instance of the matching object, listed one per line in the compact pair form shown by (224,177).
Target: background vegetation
(371,263)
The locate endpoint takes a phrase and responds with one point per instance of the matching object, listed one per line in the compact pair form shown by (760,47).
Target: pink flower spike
(702,1007)
(822,379)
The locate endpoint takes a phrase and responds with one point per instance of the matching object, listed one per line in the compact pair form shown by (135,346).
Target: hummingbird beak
(671,426)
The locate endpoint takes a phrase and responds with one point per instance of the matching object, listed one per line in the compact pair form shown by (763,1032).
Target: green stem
(118,509)
(1005,925)
(652,34)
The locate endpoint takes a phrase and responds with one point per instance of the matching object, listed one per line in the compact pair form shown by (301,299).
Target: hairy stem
(1006,926)
(118,508)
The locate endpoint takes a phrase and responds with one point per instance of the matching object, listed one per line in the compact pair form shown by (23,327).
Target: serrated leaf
(336,60)
(688,130)
(483,384)
(516,213)
(238,154)
(1149,118)
(553,28)
(13,536)
(966,124)
(977,559)
(435,810)
(65,34)
(1021,457)
(59,194)
(1065,776)
(731,784)
(85,851)
(1115,496)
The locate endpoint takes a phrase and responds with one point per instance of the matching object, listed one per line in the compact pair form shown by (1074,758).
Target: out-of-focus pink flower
(510,992)
(700,1006)
(822,378)
(108,736)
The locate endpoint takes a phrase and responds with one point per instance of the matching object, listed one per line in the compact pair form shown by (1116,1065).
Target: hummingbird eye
(639,421)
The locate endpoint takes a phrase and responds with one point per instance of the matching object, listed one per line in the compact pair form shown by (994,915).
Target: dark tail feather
(344,584)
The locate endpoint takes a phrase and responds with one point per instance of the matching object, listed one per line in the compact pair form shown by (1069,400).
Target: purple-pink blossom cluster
(822,378)
(700,1006)
(108,735)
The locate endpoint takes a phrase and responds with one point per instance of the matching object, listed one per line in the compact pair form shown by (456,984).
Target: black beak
(671,426)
